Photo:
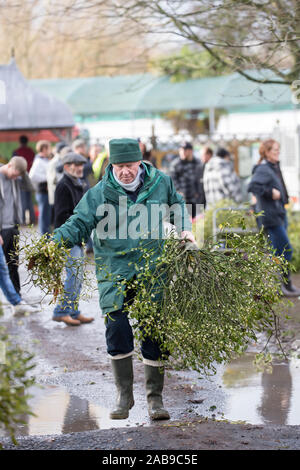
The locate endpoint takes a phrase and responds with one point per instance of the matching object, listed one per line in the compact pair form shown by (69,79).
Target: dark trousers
(27,204)
(10,238)
(119,336)
(192,208)
(44,220)
(279,239)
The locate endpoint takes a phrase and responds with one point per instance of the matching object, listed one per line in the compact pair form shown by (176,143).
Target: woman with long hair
(268,187)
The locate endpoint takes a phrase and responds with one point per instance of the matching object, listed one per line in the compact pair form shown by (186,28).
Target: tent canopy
(146,93)
(26,107)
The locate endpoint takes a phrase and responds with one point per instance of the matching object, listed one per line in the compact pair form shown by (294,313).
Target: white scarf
(130,186)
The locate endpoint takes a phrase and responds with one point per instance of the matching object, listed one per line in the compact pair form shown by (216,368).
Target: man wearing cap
(79,146)
(186,172)
(68,193)
(128,186)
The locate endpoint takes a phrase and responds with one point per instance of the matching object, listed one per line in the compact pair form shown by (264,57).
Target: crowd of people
(43,187)
(64,183)
(205,180)
(56,179)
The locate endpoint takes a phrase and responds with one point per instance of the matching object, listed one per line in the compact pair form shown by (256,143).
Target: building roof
(25,107)
(145,93)
(100,95)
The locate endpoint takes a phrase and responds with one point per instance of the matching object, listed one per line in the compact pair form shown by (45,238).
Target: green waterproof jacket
(120,226)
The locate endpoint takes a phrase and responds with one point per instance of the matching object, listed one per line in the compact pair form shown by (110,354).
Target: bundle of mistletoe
(204,306)
(45,261)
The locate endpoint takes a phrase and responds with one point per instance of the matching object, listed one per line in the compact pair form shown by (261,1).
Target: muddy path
(76,390)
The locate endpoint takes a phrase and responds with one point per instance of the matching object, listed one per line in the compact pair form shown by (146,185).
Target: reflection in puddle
(250,396)
(262,397)
(58,412)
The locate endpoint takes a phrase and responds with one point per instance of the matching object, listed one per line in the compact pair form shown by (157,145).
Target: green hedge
(294,236)
(14,384)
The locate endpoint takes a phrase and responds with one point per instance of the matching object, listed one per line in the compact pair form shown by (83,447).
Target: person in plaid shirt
(220,180)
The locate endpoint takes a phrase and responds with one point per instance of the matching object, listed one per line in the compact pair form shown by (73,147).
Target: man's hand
(1,240)
(275,194)
(188,236)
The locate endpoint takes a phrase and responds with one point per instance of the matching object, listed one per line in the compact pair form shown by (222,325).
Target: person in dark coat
(268,187)
(79,146)
(186,172)
(68,193)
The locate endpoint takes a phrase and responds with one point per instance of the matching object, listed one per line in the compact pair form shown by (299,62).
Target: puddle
(58,412)
(250,396)
(262,397)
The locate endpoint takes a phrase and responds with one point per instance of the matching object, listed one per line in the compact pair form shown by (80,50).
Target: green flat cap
(124,150)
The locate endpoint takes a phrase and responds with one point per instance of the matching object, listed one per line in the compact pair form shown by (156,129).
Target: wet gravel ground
(195,434)
(74,360)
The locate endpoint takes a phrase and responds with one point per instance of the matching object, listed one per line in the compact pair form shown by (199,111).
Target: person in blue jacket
(268,187)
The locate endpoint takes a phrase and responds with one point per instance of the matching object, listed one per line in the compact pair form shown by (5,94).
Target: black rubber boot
(288,289)
(123,375)
(154,382)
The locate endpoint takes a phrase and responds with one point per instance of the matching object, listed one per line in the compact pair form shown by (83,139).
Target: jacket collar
(273,165)
(112,190)
(75,181)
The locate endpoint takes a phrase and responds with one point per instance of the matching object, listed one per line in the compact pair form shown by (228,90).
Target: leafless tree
(63,39)
(243,35)
(86,36)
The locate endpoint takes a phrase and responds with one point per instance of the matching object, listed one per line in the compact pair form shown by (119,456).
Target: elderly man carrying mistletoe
(125,211)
